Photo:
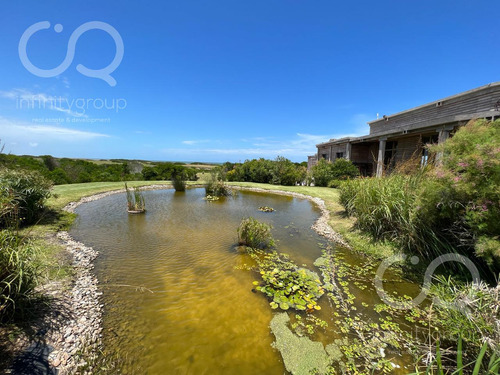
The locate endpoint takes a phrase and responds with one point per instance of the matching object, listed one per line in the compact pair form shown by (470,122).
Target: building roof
(432,104)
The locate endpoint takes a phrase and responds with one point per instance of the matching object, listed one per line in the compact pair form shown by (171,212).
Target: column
(381,153)
(444,134)
(348,147)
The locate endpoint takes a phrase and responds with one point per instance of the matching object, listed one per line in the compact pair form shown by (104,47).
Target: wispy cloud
(194,142)
(19,132)
(26,99)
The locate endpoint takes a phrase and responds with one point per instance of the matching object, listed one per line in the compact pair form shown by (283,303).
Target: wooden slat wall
(477,102)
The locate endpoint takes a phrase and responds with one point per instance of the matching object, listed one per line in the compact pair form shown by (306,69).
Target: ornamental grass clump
(255,234)
(18,272)
(22,197)
(135,200)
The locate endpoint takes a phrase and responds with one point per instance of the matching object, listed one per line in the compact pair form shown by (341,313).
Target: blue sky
(232,80)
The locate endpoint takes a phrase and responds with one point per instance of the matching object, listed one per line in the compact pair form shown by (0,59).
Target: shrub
(23,194)
(215,186)
(253,233)
(17,272)
(179,182)
(341,169)
(471,167)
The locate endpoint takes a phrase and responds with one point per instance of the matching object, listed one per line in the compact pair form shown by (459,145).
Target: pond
(176,299)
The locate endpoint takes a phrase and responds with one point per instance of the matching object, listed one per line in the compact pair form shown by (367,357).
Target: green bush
(215,186)
(280,171)
(471,169)
(341,169)
(179,182)
(253,233)
(22,194)
(18,273)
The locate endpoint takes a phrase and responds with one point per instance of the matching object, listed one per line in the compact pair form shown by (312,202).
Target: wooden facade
(400,136)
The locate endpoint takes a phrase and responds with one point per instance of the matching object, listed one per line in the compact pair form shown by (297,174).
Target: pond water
(175,299)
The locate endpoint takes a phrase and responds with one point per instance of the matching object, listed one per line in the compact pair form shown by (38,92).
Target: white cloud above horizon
(41,100)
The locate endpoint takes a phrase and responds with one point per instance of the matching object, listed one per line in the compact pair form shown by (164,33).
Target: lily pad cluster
(266,209)
(286,284)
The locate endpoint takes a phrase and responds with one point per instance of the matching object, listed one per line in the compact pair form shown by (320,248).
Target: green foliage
(179,182)
(280,171)
(215,186)
(388,208)
(22,196)
(468,311)
(68,171)
(253,233)
(342,169)
(168,171)
(476,367)
(470,171)
(453,206)
(287,285)
(18,273)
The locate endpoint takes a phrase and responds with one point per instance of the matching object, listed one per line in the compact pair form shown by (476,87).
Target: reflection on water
(173,298)
(175,301)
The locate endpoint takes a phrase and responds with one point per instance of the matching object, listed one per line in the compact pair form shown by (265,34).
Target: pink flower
(463,165)
(480,163)
(457,178)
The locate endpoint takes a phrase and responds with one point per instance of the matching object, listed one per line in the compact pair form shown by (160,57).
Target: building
(398,137)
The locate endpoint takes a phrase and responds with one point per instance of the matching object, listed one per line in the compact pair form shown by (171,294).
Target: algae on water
(301,355)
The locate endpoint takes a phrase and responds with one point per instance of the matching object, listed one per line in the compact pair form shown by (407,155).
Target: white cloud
(26,99)
(33,144)
(194,142)
(22,132)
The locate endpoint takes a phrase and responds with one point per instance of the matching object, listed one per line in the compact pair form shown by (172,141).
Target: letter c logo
(104,73)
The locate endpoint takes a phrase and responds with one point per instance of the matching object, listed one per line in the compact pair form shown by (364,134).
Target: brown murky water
(175,301)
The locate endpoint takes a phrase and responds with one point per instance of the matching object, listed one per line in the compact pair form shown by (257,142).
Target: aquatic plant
(301,355)
(211,198)
(255,234)
(266,209)
(287,285)
(135,200)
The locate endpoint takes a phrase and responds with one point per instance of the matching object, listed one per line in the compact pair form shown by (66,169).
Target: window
(425,151)
(390,153)
(324,156)
(339,155)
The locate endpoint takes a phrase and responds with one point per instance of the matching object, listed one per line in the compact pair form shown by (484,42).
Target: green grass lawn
(64,194)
